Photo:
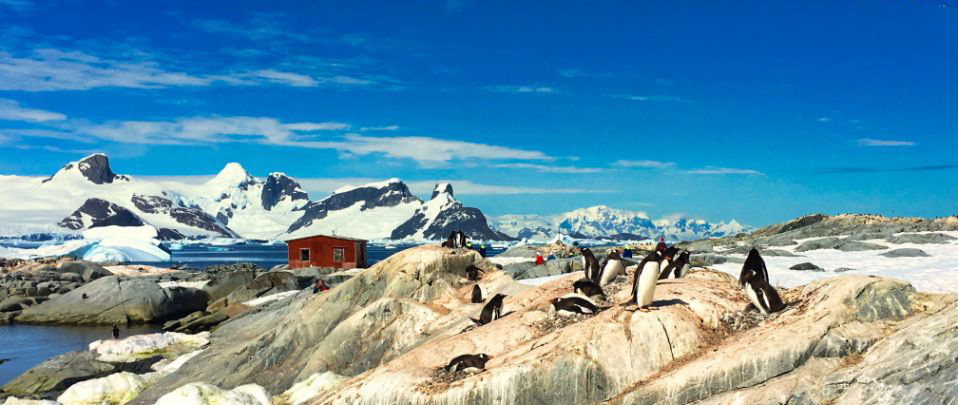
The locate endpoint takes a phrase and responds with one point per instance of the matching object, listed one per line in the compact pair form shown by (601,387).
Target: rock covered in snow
(442,215)
(141,346)
(206,394)
(313,386)
(906,252)
(94,168)
(118,388)
(98,212)
(370,211)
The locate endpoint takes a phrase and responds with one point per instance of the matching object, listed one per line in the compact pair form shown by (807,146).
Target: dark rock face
(89,271)
(279,187)
(57,374)
(190,216)
(393,194)
(169,234)
(103,213)
(95,168)
(452,217)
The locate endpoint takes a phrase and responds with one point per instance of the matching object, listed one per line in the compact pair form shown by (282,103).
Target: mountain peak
(442,188)
(95,168)
(233,174)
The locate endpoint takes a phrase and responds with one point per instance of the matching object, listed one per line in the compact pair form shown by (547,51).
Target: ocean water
(24,346)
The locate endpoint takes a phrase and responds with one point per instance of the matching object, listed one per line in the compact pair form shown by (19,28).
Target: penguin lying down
(762,295)
(571,304)
(467,362)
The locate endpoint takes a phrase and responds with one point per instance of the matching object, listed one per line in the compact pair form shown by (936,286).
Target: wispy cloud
(655,98)
(17,5)
(425,151)
(650,164)
(10,110)
(824,119)
(261,26)
(524,89)
(883,142)
(724,170)
(382,128)
(550,169)
(873,169)
(574,73)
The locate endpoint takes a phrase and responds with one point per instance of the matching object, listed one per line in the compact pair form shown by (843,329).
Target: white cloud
(655,98)
(287,78)
(883,142)
(550,169)
(524,89)
(824,119)
(10,110)
(382,128)
(426,151)
(650,164)
(316,126)
(724,170)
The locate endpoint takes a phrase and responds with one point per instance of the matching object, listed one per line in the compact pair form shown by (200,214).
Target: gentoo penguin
(613,267)
(472,272)
(451,241)
(588,288)
(116,332)
(466,361)
(667,256)
(476,294)
(677,268)
(591,265)
(491,311)
(574,304)
(643,282)
(762,295)
(462,238)
(754,263)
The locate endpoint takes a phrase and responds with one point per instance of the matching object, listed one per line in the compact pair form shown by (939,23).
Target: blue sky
(754,110)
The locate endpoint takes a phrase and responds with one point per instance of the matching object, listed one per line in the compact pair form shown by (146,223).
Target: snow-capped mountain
(442,214)
(370,211)
(87,194)
(604,222)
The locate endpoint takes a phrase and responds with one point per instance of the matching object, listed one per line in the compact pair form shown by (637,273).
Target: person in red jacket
(539,260)
(320,286)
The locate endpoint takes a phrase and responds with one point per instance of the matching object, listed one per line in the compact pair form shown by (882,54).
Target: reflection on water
(23,346)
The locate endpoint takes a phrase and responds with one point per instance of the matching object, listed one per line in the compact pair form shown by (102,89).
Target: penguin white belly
(754,299)
(610,272)
(647,280)
(681,271)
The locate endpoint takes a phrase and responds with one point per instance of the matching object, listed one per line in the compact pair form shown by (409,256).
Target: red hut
(326,251)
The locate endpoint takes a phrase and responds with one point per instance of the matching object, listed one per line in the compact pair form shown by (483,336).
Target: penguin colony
(661,264)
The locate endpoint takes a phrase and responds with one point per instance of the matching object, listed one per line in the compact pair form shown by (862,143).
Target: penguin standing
(591,265)
(116,332)
(476,294)
(643,282)
(613,266)
(762,295)
(677,268)
(755,264)
(491,311)
(462,238)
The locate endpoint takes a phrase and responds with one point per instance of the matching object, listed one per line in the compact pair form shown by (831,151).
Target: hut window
(304,255)
(338,255)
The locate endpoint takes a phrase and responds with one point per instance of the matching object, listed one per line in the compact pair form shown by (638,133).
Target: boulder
(823,243)
(266,284)
(15,303)
(117,388)
(89,271)
(527,270)
(856,246)
(206,394)
(921,238)
(906,252)
(706,259)
(117,300)
(221,284)
(807,266)
(57,374)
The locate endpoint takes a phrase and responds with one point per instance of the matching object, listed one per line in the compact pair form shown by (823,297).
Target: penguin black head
(483,356)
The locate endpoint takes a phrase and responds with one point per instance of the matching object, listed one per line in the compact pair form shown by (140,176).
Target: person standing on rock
(539,260)
(116,332)
(320,286)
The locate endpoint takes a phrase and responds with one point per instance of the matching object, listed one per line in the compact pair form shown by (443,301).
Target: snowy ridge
(604,222)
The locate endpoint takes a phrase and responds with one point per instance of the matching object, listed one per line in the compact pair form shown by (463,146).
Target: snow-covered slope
(370,211)
(604,222)
(441,215)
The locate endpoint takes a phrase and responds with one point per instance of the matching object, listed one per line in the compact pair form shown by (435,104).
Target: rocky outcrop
(905,252)
(278,187)
(189,216)
(442,215)
(98,212)
(923,238)
(94,168)
(117,300)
